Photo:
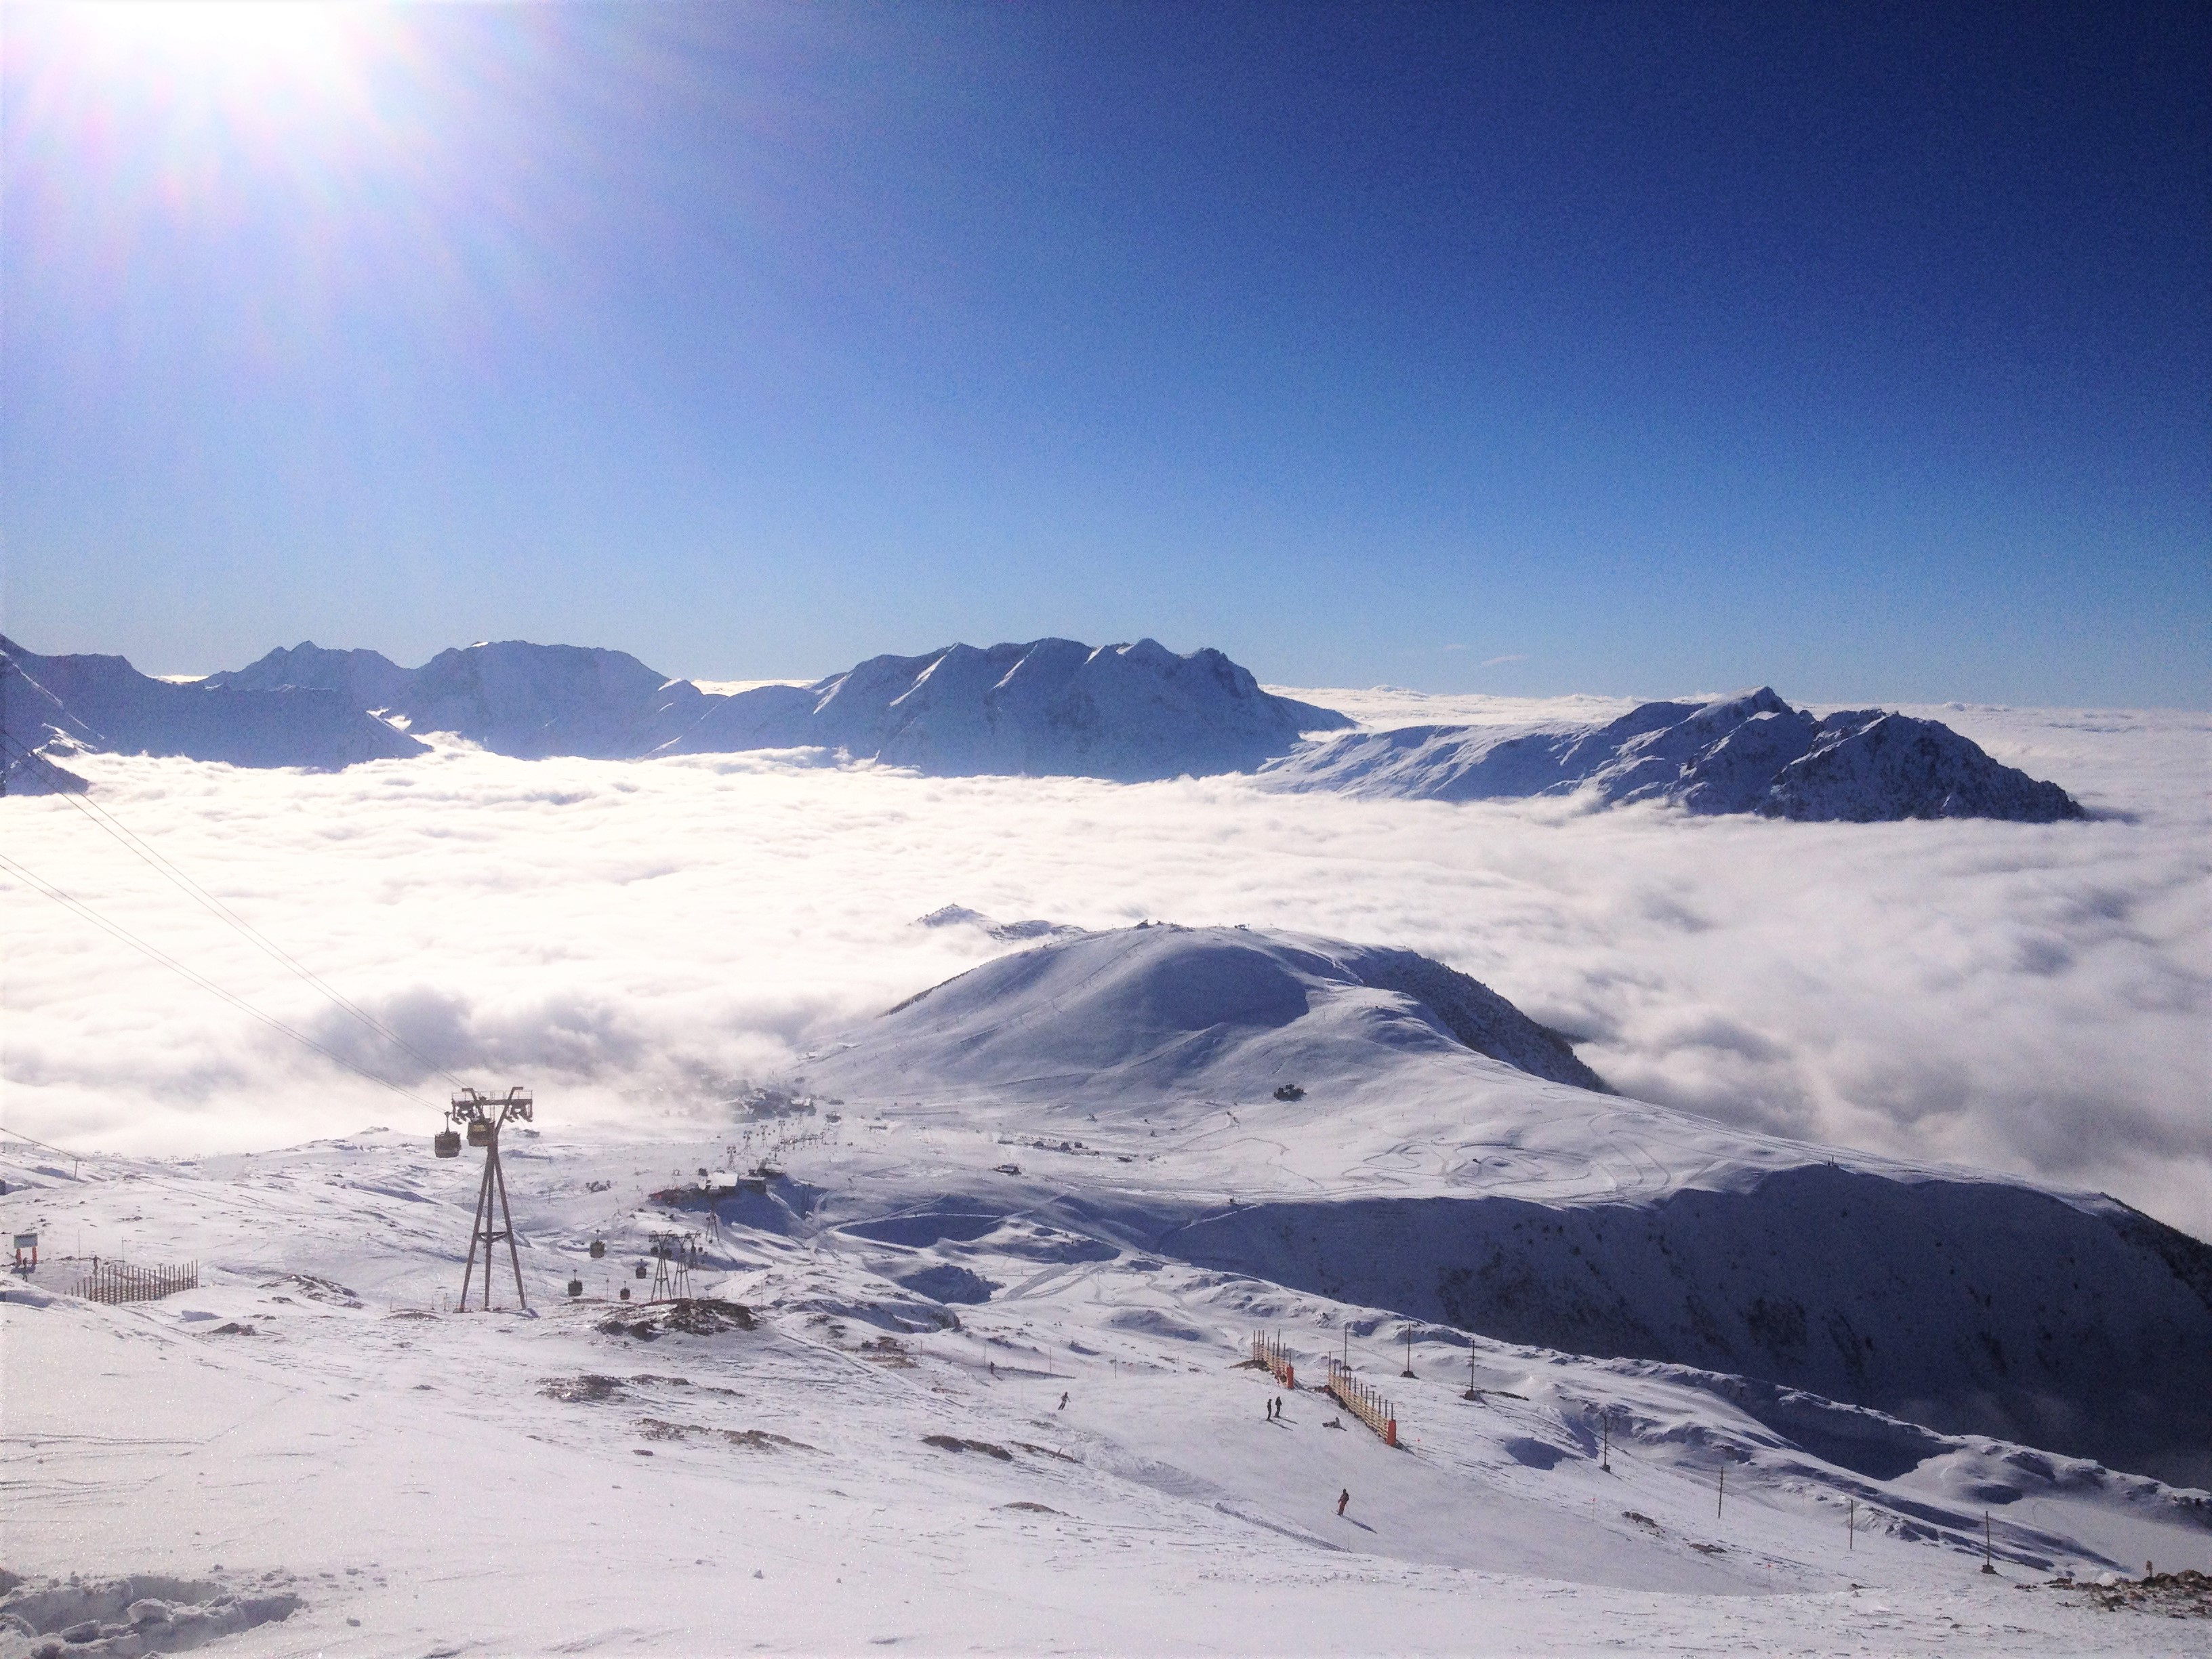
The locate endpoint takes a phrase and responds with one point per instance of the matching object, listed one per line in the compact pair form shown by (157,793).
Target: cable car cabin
(640,1270)
(480,1131)
(447,1143)
(598,1249)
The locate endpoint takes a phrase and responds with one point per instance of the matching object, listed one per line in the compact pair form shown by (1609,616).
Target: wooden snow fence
(1271,1356)
(118,1281)
(1363,1402)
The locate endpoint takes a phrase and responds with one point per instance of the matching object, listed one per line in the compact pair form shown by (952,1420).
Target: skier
(1063,1402)
(1342,1499)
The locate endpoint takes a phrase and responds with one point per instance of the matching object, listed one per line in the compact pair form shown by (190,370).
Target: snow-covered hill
(102,703)
(1050,708)
(1440,1161)
(1752,753)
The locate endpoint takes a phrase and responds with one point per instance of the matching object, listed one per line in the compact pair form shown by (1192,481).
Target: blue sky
(1862,350)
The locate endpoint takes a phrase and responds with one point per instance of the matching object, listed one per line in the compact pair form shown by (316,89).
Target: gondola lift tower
(480,1117)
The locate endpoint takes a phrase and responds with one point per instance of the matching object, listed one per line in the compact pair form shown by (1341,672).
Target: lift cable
(165,867)
(39,884)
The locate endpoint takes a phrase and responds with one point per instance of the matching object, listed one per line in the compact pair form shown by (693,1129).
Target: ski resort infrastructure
(1034,1274)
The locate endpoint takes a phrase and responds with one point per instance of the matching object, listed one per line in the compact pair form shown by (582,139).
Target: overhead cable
(40,885)
(166,868)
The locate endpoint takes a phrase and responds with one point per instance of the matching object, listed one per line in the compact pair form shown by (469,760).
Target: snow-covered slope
(1438,1163)
(824,1458)
(1752,753)
(1051,708)
(102,703)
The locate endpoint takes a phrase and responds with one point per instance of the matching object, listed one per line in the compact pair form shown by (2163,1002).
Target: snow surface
(868,1467)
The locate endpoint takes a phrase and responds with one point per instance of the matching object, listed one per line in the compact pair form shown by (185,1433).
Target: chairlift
(447,1143)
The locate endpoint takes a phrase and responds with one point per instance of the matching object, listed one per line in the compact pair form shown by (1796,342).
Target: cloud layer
(633,937)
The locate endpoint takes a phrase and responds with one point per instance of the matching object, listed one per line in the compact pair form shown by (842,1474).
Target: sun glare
(265,43)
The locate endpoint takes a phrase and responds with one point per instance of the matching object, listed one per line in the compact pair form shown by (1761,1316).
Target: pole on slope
(1473,1393)
(1987,1565)
(1605,1442)
(1723,1498)
(1851,1523)
(1408,1371)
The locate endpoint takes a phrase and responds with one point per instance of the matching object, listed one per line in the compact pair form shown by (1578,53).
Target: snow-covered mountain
(1050,708)
(1752,753)
(103,704)
(368,679)
(510,697)
(1448,1159)
(535,700)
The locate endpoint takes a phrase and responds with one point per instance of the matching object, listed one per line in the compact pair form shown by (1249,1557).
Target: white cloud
(627,936)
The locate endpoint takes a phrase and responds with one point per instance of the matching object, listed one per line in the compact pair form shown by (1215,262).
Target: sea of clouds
(636,939)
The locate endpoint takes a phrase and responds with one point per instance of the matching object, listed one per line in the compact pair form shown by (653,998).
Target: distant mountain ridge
(1050,708)
(1750,753)
(59,704)
(1047,708)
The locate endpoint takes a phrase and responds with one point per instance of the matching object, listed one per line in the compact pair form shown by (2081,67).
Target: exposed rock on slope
(1748,754)
(102,703)
(1051,708)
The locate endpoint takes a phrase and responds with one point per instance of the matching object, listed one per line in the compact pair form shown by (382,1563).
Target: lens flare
(247,45)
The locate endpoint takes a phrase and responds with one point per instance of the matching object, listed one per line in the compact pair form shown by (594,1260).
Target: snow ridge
(1050,708)
(1751,753)
(102,703)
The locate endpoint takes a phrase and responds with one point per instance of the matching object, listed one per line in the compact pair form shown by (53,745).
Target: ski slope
(314,1422)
